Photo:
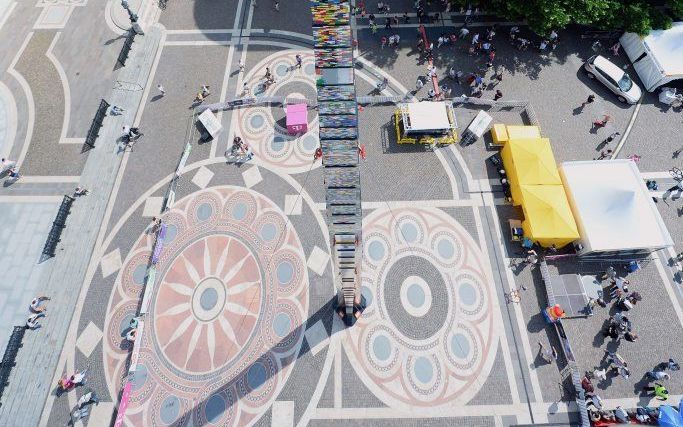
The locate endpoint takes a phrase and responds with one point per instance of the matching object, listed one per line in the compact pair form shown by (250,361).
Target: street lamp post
(133,17)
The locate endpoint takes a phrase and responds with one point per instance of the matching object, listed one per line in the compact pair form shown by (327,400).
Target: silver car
(616,79)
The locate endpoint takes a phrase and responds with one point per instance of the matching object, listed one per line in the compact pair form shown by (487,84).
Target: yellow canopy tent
(529,162)
(548,219)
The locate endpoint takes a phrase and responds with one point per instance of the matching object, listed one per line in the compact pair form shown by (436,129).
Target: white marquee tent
(657,57)
(613,209)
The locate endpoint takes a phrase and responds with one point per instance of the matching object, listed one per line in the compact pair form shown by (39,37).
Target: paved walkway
(31,379)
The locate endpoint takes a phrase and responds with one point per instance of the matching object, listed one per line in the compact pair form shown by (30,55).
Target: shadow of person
(578,110)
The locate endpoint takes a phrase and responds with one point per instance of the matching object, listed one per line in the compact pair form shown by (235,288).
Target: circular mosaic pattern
(264,128)
(410,287)
(428,334)
(230,292)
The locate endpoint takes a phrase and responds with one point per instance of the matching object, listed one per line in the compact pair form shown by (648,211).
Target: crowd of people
(613,365)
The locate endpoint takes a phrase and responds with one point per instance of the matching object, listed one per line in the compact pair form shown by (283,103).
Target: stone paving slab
(26,226)
(37,359)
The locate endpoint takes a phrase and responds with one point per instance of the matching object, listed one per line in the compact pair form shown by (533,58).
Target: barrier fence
(58,225)
(125,49)
(96,124)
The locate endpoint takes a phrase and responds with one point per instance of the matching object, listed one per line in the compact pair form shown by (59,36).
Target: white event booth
(657,57)
(614,212)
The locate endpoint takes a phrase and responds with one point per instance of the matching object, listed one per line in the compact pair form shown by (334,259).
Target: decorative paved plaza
(240,328)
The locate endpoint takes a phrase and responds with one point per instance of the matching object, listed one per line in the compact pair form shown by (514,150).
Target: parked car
(617,80)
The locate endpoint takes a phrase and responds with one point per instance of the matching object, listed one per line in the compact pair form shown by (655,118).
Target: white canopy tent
(657,57)
(613,209)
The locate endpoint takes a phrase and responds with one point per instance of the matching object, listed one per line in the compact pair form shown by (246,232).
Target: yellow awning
(548,219)
(529,162)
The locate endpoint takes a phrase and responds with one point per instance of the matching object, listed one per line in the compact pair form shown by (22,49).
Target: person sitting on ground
(587,385)
(622,415)
(134,133)
(600,374)
(81,191)
(672,365)
(32,321)
(78,378)
(37,304)
(658,375)
(7,164)
(14,173)
(87,398)
(115,110)
(65,383)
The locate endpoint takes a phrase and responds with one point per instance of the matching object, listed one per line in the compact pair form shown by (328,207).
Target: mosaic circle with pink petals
(226,315)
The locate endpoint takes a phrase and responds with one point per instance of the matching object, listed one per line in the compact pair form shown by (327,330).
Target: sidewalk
(31,379)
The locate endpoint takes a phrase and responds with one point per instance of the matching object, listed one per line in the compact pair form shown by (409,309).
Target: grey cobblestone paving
(496,389)
(199,14)
(354,392)
(654,331)
(45,155)
(165,120)
(266,17)
(327,396)
(26,226)
(532,302)
(89,81)
(394,172)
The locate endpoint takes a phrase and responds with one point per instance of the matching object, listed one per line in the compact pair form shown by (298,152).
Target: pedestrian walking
(496,78)
(299,60)
(677,187)
(240,64)
(589,100)
(373,28)
(547,354)
(498,95)
(660,392)
(610,138)
(463,32)
(394,21)
(406,18)
(161,89)
(277,6)
(475,39)
(431,94)
(604,154)
(602,122)
(387,24)
(446,91)
(419,84)
(246,91)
